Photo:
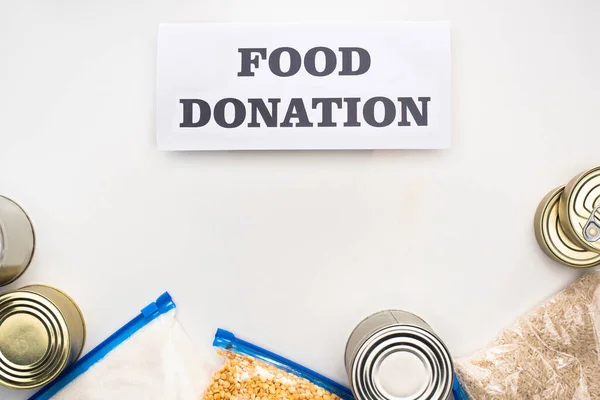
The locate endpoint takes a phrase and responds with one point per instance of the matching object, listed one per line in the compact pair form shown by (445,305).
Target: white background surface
(291,249)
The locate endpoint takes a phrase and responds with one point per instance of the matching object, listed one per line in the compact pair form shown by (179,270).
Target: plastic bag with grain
(251,372)
(149,358)
(549,353)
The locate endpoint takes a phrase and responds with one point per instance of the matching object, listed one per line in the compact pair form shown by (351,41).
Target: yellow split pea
(245,378)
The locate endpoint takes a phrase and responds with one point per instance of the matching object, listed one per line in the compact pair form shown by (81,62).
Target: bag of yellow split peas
(253,373)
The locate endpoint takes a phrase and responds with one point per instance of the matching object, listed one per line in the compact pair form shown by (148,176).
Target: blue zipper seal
(228,341)
(149,313)
(457,390)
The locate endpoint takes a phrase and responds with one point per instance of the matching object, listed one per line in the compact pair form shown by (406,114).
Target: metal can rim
(33,244)
(57,365)
(565,206)
(427,339)
(371,342)
(546,243)
(367,318)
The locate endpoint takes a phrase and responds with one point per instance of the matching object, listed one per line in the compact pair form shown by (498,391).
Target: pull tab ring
(591,230)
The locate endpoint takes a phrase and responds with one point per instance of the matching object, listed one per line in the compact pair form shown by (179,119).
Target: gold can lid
(34,340)
(552,238)
(579,210)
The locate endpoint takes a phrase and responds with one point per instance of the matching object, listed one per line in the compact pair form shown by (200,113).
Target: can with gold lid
(552,238)
(17,241)
(42,331)
(579,210)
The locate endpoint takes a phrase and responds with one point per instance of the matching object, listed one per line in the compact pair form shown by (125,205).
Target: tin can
(17,241)
(552,238)
(579,210)
(396,355)
(42,331)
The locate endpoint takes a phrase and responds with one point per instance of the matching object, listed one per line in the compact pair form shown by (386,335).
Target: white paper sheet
(304,86)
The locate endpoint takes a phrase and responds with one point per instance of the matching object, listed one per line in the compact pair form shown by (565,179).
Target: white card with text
(304,86)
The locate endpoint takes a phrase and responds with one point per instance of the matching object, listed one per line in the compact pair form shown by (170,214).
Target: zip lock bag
(253,373)
(549,353)
(149,358)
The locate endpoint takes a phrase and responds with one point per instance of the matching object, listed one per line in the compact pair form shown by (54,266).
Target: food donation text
(283,62)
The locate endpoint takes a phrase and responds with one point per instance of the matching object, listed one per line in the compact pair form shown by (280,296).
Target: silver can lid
(402,362)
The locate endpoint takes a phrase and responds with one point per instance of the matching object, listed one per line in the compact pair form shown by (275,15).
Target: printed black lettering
(327,109)
(364,61)
(389,111)
(239,113)
(310,61)
(248,60)
(352,114)
(409,105)
(188,113)
(297,110)
(275,61)
(269,117)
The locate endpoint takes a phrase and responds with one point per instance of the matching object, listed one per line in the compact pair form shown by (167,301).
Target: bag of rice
(550,353)
(251,372)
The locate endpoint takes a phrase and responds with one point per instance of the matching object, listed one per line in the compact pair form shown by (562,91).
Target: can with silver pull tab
(552,238)
(579,210)
(395,355)
(42,331)
(17,241)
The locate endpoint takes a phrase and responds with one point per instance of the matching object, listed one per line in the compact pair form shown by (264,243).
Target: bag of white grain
(251,372)
(551,353)
(149,358)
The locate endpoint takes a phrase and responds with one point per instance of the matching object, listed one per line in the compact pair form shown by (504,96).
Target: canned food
(17,241)
(579,210)
(396,355)
(553,240)
(42,331)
